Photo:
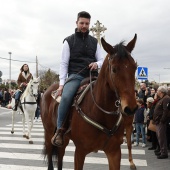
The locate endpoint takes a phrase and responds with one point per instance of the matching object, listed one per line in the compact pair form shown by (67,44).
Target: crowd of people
(5,96)
(153,107)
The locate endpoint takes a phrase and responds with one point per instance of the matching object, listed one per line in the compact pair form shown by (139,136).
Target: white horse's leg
(30,128)
(23,124)
(13,118)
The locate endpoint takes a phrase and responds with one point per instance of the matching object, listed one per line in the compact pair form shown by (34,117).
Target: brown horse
(97,123)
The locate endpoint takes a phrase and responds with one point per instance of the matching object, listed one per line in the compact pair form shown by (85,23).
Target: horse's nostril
(129,111)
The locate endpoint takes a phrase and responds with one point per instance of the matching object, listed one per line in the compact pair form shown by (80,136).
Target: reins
(109,132)
(117,103)
(69,79)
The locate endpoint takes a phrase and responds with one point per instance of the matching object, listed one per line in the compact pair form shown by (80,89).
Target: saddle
(84,87)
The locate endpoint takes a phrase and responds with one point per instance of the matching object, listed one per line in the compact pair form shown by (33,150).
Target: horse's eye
(113,69)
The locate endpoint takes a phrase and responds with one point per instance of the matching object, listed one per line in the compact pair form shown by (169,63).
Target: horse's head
(120,73)
(33,86)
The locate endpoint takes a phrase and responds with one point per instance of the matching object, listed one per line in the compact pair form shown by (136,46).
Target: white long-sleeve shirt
(65,57)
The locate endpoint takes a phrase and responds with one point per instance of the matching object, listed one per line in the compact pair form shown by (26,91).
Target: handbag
(151,126)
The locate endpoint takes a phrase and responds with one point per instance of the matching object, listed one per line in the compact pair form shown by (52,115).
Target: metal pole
(36,66)
(9,69)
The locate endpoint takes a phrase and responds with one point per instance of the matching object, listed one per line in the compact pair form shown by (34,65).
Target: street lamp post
(9,69)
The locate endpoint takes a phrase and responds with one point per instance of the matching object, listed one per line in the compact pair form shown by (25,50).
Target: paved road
(17,154)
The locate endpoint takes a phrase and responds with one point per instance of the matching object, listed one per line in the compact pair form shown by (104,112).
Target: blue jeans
(140,130)
(69,91)
(17,95)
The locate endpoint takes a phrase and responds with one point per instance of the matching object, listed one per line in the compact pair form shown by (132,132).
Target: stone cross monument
(97,31)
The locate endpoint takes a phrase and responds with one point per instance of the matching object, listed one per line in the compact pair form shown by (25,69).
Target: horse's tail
(48,115)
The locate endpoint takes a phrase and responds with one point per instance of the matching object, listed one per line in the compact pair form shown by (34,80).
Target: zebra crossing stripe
(20,167)
(37,132)
(68,148)
(19,128)
(89,160)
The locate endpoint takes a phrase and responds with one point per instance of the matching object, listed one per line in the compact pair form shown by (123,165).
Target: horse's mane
(26,90)
(121,50)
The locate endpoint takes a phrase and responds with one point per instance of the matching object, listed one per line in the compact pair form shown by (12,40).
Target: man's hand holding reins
(60,90)
(93,66)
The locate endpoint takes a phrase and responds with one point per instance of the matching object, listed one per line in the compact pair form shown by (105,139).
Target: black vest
(82,52)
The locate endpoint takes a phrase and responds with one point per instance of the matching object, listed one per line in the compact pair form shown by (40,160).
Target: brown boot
(57,139)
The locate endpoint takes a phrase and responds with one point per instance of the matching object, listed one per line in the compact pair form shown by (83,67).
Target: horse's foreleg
(30,128)
(114,159)
(29,124)
(23,124)
(13,118)
(129,144)
(79,158)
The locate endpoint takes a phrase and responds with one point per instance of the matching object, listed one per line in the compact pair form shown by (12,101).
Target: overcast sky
(30,28)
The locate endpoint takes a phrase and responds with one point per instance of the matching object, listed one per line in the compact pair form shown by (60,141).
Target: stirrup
(58,136)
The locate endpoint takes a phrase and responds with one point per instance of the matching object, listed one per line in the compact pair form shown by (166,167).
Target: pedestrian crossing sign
(142,73)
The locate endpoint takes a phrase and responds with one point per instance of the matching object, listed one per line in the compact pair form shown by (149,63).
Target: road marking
(68,148)
(88,160)
(17,128)
(20,167)
(14,150)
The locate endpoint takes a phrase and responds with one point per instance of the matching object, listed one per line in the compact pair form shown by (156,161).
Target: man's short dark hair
(83,14)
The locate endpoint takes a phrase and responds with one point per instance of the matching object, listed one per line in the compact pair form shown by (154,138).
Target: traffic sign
(142,73)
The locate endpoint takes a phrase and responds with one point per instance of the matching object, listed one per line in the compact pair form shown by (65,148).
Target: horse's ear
(107,47)
(130,46)
(31,77)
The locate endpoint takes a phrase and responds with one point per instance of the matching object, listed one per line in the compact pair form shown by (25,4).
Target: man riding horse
(80,54)
(23,79)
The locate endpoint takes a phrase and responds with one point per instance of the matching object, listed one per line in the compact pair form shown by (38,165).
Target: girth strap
(99,126)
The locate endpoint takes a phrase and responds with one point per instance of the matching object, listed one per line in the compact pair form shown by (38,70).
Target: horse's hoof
(12,131)
(27,137)
(132,167)
(24,136)
(30,142)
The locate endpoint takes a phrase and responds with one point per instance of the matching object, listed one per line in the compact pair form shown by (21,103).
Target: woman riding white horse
(28,107)
(23,79)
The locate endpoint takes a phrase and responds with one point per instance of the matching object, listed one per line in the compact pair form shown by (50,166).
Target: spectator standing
(144,92)
(151,105)
(140,122)
(37,112)
(160,118)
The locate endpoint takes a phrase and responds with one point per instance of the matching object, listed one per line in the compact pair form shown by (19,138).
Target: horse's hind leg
(61,152)
(114,159)
(129,144)
(79,158)
(50,163)
(13,118)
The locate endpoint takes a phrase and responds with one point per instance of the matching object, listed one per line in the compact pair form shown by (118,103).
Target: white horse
(29,106)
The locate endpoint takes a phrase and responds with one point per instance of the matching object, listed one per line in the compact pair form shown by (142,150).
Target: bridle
(107,131)
(32,95)
(31,87)
(117,102)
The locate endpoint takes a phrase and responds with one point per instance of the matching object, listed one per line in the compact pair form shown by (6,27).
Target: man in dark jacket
(80,54)
(160,117)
